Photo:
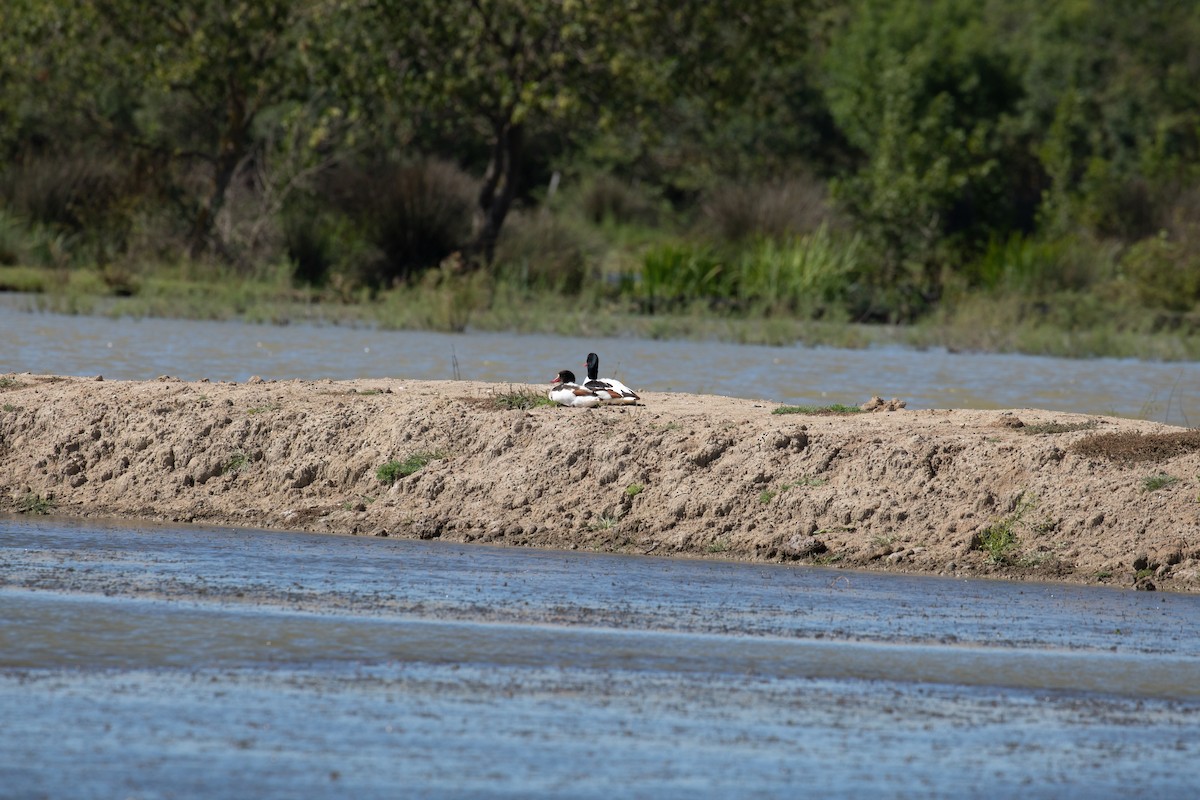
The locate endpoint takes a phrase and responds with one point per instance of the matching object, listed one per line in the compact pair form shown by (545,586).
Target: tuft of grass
(1153,483)
(1046,428)
(634,489)
(835,408)
(1130,446)
(36,504)
(394,470)
(605,523)
(766,497)
(719,546)
(999,540)
(235,463)
(517,399)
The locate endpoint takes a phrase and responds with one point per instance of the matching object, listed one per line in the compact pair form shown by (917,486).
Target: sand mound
(1020,493)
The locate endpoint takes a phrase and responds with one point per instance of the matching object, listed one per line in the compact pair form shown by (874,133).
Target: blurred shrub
(606,198)
(1031,266)
(541,251)
(73,206)
(1165,273)
(379,225)
(737,212)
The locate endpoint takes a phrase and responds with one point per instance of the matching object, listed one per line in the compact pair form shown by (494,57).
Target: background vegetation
(1016,174)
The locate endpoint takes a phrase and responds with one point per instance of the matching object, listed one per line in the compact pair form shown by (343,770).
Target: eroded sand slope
(920,491)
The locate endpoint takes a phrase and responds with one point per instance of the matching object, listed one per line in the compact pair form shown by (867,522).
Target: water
(154,661)
(144,349)
(144,661)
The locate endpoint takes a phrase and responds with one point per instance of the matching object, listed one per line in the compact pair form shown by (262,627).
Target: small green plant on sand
(634,489)
(719,546)
(36,504)
(1153,483)
(835,408)
(519,399)
(235,463)
(394,470)
(999,540)
(605,523)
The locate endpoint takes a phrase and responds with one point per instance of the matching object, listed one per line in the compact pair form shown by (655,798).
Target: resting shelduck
(566,392)
(610,390)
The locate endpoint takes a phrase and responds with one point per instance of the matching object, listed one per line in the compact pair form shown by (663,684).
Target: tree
(927,93)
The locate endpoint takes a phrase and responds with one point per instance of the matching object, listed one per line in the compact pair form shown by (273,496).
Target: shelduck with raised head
(609,390)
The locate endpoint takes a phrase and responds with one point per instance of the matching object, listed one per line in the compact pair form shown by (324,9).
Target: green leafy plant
(1153,483)
(634,489)
(605,523)
(32,503)
(834,408)
(719,546)
(235,463)
(394,470)
(518,399)
(999,540)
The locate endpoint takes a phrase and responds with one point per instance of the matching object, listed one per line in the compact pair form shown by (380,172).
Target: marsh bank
(966,492)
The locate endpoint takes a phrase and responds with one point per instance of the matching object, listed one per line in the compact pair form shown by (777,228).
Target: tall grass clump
(675,273)
(804,273)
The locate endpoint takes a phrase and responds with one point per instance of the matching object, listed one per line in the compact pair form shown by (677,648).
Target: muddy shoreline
(1019,493)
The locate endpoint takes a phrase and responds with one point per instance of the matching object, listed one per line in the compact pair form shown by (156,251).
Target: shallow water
(167,662)
(144,349)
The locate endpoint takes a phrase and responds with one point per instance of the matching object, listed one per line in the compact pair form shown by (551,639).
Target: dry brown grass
(1132,446)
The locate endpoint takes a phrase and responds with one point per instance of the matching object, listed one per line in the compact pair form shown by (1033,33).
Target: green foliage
(1153,483)
(394,470)
(834,408)
(999,540)
(634,489)
(867,160)
(33,503)
(934,133)
(234,463)
(806,273)
(673,273)
(521,399)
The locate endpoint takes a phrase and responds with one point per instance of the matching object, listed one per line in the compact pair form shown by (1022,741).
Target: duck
(610,390)
(566,392)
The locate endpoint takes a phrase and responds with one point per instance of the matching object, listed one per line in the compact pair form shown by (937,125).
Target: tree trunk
(499,189)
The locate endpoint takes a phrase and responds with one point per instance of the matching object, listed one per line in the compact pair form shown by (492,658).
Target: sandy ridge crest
(694,475)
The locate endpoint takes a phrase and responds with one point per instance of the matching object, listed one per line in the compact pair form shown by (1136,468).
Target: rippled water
(157,661)
(143,349)
(145,661)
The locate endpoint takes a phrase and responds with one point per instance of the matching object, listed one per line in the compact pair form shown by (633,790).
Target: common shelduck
(566,392)
(610,390)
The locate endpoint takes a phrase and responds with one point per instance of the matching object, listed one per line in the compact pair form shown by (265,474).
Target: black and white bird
(609,390)
(566,392)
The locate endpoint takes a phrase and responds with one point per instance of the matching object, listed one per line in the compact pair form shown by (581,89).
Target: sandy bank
(1020,493)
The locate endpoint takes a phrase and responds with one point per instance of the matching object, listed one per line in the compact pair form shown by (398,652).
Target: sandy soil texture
(1020,493)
